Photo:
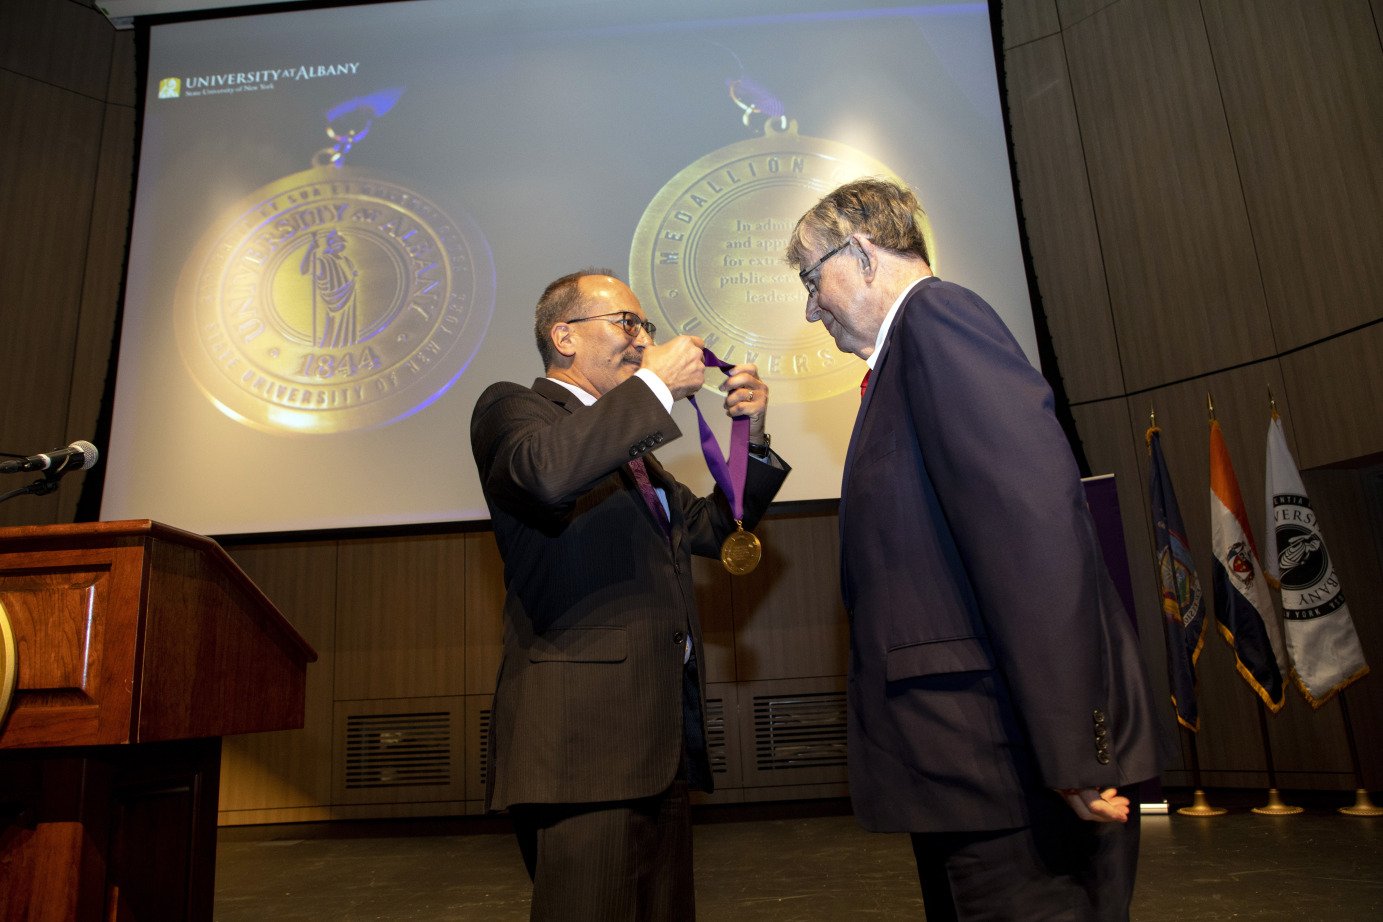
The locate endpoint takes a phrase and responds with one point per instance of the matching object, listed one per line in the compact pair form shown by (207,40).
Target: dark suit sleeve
(530,459)
(709,520)
(1009,487)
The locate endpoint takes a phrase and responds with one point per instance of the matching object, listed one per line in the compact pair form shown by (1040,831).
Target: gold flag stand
(1274,806)
(1362,805)
(1200,805)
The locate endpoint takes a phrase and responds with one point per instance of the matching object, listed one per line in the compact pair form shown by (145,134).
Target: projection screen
(345,216)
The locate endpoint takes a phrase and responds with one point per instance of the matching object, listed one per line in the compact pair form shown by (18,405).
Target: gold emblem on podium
(333,299)
(9,663)
(707,256)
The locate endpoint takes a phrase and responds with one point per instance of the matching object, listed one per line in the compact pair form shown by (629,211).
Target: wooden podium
(132,649)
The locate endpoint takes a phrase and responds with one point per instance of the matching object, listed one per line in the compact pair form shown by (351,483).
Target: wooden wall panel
(63,44)
(124,78)
(789,620)
(400,624)
(1178,252)
(45,211)
(484,612)
(1073,11)
(715,603)
(290,768)
(1336,391)
(100,292)
(1303,92)
(1027,20)
(1055,193)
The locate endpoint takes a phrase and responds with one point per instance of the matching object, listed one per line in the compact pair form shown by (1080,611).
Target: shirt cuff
(656,385)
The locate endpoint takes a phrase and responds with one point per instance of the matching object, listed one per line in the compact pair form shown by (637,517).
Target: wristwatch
(760,449)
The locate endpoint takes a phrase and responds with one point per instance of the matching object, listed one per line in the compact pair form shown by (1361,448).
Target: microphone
(78,456)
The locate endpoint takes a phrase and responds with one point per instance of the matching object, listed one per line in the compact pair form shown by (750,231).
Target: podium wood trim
(138,646)
(132,632)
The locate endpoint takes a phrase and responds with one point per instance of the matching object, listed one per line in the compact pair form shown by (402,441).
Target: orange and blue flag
(1243,606)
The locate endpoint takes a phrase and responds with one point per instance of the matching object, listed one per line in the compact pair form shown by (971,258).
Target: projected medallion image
(707,257)
(333,300)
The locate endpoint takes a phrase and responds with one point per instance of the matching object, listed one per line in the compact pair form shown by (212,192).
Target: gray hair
(885,212)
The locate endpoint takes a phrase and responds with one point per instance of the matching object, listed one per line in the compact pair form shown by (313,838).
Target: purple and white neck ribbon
(729,473)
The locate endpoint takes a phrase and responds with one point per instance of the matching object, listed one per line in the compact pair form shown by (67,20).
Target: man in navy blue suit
(997,699)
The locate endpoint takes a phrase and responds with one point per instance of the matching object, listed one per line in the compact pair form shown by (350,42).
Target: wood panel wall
(1203,189)
(67,129)
(1201,184)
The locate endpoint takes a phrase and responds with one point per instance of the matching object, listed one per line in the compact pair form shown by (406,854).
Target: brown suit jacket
(598,604)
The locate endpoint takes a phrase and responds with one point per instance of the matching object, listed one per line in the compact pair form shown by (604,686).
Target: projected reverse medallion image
(707,258)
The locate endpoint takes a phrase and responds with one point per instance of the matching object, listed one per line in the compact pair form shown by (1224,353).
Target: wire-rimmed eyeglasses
(631,322)
(812,270)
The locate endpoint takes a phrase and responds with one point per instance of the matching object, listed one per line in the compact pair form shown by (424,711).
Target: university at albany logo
(170,88)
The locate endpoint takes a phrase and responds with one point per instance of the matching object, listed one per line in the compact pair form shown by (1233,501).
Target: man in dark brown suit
(597,727)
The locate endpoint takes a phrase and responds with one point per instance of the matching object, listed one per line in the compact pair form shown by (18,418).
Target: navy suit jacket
(598,602)
(990,655)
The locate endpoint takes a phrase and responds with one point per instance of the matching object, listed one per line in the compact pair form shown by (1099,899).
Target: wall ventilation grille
(799,731)
(483,747)
(398,750)
(715,736)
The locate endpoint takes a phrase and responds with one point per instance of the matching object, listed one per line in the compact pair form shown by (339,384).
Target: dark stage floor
(794,862)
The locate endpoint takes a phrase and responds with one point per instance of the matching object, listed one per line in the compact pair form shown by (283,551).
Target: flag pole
(1362,805)
(1272,417)
(1200,805)
(1274,806)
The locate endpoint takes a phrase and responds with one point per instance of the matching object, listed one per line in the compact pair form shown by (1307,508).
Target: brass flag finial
(1210,405)
(1272,404)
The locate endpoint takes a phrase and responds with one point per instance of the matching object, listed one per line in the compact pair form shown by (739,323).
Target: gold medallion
(708,256)
(741,552)
(332,300)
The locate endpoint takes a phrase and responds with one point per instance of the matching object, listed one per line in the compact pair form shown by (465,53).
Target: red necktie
(864,382)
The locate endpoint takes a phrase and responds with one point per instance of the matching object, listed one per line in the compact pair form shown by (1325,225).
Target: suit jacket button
(679,637)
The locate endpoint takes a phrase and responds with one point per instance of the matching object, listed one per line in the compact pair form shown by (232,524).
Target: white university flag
(1320,634)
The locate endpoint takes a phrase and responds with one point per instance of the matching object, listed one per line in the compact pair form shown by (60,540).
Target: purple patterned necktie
(650,496)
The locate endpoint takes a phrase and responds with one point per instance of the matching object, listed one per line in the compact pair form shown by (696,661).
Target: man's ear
(563,341)
(868,256)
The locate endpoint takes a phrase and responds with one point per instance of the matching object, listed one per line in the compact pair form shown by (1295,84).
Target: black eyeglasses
(632,323)
(811,283)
